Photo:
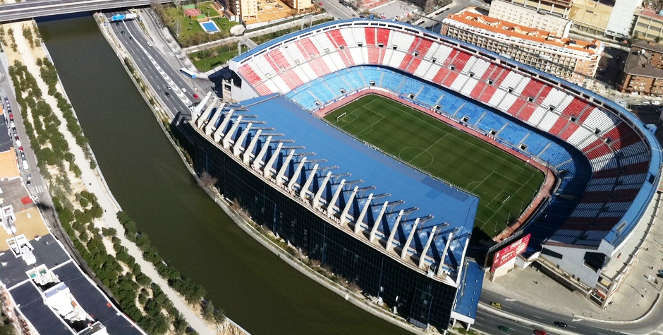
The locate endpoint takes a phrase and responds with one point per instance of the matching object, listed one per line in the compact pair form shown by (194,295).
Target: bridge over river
(41,8)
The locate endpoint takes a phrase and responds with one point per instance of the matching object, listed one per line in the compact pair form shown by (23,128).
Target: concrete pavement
(334,8)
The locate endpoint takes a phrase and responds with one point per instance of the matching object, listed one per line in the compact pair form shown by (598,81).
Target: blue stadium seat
(429,96)
(535,143)
(512,134)
(491,121)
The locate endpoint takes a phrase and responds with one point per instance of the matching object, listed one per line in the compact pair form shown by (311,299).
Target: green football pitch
(504,184)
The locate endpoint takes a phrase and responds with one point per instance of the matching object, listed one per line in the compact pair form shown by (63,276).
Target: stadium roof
(467,296)
(619,232)
(452,209)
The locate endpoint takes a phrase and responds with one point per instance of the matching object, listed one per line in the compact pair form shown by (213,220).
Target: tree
(219,315)
(208,310)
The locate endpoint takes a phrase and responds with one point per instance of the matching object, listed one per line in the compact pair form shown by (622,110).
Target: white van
(25,164)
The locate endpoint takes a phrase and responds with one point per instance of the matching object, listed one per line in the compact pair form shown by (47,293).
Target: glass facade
(415,296)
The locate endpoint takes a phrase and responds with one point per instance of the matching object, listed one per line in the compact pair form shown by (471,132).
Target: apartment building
(556,7)
(511,11)
(244,9)
(643,70)
(299,4)
(648,25)
(567,58)
(602,18)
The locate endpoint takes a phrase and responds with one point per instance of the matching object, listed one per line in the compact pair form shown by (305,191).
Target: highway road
(336,9)
(535,316)
(40,8)
(168,82)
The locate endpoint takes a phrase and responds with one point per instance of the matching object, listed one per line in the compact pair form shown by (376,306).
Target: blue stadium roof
(431,195)
(452,209)
(467,296)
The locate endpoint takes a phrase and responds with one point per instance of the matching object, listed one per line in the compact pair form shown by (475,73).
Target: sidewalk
(633,300)
(92,180)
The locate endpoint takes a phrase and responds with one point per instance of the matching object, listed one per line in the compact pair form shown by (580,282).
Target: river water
(255,289)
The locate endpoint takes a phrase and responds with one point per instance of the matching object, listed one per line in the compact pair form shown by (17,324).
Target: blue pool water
(210,27)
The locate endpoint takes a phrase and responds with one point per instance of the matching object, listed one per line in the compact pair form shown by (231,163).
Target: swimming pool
(209,27)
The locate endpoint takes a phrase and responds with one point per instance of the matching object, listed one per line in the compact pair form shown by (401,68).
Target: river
(255,288)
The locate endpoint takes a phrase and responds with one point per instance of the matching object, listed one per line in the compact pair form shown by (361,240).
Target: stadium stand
(606,160)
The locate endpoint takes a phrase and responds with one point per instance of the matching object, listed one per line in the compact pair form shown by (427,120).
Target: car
(195,96)
(20,148)
(496,305)
(560,324)
(539,332)
(504,329)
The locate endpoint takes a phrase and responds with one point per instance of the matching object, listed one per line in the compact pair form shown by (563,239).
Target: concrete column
(330,205)
(318,194)
(231,132)
(309,180)
(218,133)
(199,107)
(360,219)
(423,252)
(409,238)
(377,221)
(295,176)
(267,169)
(393,231)
(348,204)
(249,150)
(444,254)
(205,114)
(284,167)
(217,116)
(237,148)
(258,159)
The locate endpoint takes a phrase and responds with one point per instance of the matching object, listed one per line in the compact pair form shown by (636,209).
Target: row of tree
(153,312)
(192,291)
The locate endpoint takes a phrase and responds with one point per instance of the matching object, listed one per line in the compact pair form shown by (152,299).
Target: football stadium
(389,153)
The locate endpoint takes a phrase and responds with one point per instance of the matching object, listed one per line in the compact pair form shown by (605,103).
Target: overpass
(40,8)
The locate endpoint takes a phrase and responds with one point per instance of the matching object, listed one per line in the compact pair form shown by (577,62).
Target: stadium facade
(398,233)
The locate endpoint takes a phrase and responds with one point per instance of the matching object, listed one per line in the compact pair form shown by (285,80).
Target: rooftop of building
(650,13)
(647,45)
(47,251)
(51,256)
(29,221)
(467,296)
(472,18)
(638,62)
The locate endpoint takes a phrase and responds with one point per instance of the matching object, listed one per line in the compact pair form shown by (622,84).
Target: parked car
(504,329)
(560,324)
(496,305)
(25,164)
(539,332)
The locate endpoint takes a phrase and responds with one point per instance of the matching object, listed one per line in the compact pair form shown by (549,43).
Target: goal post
(341,116)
